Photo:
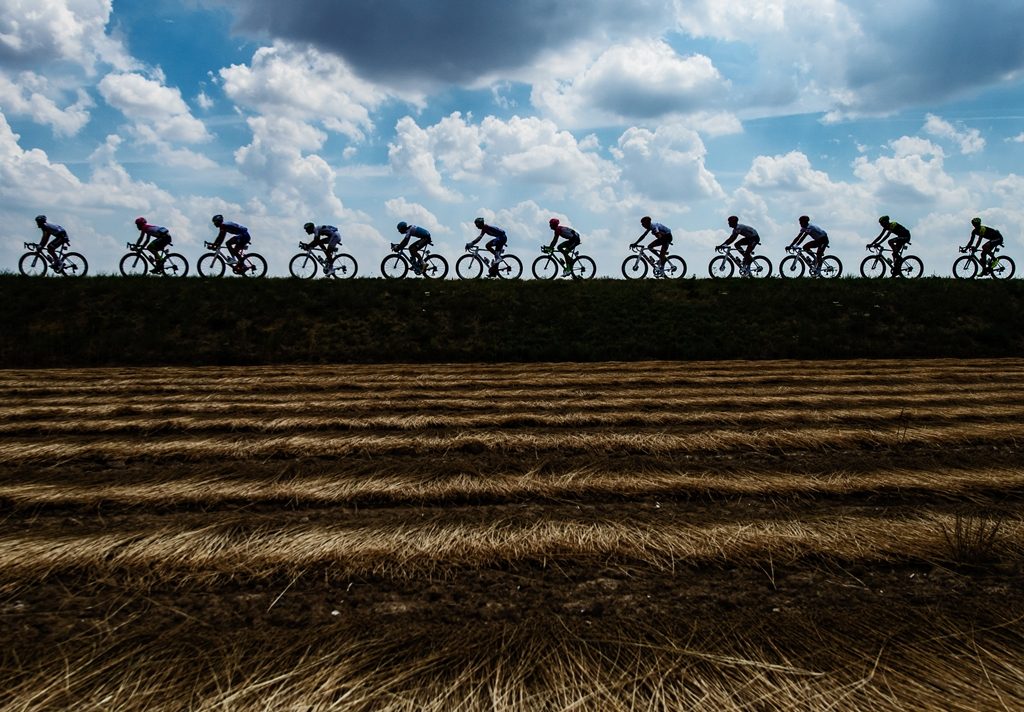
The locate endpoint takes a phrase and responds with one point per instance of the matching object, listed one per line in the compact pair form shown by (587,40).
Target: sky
(361,113)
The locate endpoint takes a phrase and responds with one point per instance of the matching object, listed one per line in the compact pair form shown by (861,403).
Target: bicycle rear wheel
(965,267)
(675,267)
(393,267)
(133,264)
(791,267)
(435,267)
(510,267)
(210,265)
(345,266)
(545,267)
(1003,268)
(175,265)
(760,267)
(912,267)
(584,268)
(873,267)
(32,264)
(721,267)
(253,265)
(303,266)
(831,268)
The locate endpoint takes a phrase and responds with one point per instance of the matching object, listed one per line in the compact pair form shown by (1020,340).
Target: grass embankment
(114,320)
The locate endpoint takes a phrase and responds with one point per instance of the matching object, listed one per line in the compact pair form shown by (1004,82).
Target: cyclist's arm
(640,239)
(731,237)
(798,239)
(477,238)
(142,238)
(881,236)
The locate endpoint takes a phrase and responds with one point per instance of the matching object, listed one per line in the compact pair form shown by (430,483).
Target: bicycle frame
(475,250)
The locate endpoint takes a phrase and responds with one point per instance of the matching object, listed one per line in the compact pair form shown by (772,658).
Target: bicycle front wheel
(133,264)
(303,266)
(675,267)
(469,267)
(965,267)
(253,265)
(791,266)
(1003,268)
(210,265)
(721,267)
(32,264)
(74,265)
(873,267)
(175,265)
(912,267)
(435,267)
(545,267)
(345,266)
(584,268)
(634,267)
(393,267)
(831,268)
(510,267)
(760,267)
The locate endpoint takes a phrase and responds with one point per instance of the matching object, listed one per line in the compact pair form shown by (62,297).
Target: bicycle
(398,264)
(553,262)
(36,262)
(213,264)
(471,265)
(636,266)
(726,264)
(139,261)
(800,261)
(969,266)
(306,264)
(878,265)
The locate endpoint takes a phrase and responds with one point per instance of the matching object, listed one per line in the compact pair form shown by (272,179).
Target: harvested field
(841,535)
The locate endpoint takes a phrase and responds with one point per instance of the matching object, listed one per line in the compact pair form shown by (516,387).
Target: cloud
(411,44)
(157,108)
(302,83)
(34,96)
(636,81)
(527,151)
(33,32)
(666,164)
(970,140)
(414,213)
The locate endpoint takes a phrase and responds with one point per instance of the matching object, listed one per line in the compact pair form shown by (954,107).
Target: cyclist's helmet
(139,222)
(804,219)
(553,223)
(479,222)
(309,228)
(40,219)
(217,220)
(403,226)
(645,220)
(976,222)
(884,220)
(733,220)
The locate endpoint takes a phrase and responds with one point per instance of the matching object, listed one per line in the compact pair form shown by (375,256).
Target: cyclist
(993,239)
(817,245)
(327,238)
(748,240)
(898,243)
(662,239)
(422,236)
(572,241)
(238,241)
(59,235)
(494,246)
(154,238)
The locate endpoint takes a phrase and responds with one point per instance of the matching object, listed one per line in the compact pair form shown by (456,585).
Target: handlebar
(31,245)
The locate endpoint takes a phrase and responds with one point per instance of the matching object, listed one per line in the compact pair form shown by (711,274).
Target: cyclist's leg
(156,246)
(56,245)
(566,249)
(233,245)
(331,248)
(896,245)
(987,254)
(495,247)
(746,246)
(665,242)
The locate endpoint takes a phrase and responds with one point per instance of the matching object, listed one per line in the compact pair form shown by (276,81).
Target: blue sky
(360,114)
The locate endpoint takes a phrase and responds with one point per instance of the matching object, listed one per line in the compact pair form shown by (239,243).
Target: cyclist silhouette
(494,246)
(993,239)
(818,243)
(59,235)
(662,239)
(748,240)
(572,241)
(897,243)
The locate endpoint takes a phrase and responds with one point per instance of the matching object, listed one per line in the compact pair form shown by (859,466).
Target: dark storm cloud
(934,50)
(441,41)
